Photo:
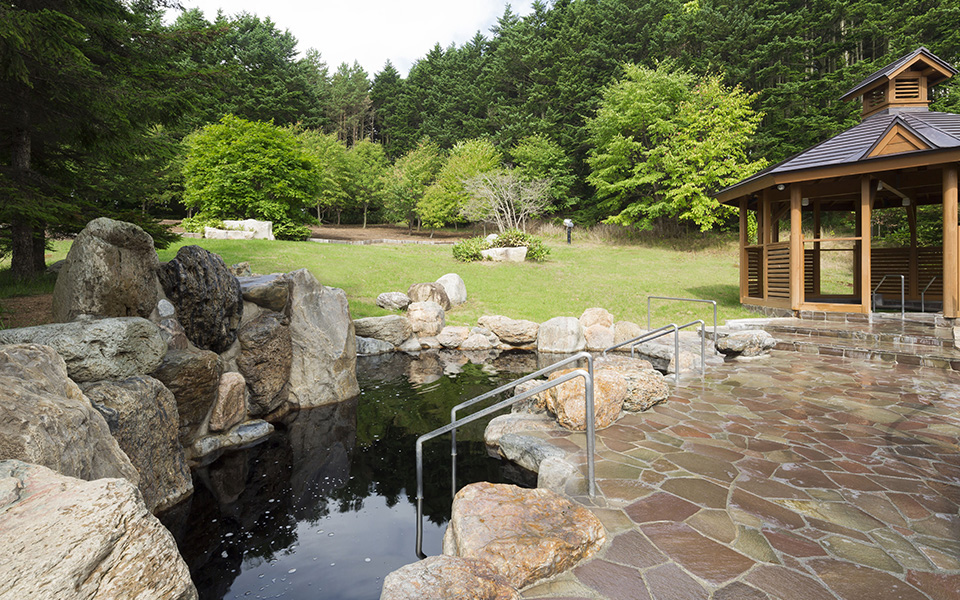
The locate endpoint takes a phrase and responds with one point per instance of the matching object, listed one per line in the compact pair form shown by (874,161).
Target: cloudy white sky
(372,31)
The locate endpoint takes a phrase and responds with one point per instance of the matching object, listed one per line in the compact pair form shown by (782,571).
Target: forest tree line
(104,108)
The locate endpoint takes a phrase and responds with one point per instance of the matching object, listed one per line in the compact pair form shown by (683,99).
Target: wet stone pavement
(792,476)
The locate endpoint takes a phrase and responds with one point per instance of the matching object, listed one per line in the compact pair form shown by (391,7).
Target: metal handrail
(652,335)
(903,297)
(924,292)
(713,302)
(589,417)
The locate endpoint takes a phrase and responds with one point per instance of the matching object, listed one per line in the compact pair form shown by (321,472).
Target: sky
(372,31)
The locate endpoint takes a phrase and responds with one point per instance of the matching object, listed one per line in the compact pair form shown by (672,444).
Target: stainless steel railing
(451,428)
(713,302)
(903,296)
(665,330)
(923,308)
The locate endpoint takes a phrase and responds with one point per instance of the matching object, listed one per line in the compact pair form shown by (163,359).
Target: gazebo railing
(903,296)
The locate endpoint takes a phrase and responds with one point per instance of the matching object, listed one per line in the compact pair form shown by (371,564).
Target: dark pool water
(326,506)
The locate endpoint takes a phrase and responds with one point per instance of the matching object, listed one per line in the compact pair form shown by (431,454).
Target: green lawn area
(617,278)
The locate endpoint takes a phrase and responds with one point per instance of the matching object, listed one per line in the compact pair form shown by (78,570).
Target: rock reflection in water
(325,506)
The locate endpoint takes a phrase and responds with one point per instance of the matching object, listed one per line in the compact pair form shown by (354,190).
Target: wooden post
(744,241)
(867,192)
(817,234)
(913,275)
(796,249)
(951,264)
(764,239)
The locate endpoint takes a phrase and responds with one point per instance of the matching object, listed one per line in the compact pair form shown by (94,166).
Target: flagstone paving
(793,476)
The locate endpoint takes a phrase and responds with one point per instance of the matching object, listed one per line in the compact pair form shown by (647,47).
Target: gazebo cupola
(816,211)
(902,86)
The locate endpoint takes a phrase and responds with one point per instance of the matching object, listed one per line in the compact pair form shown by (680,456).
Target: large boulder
(230,407)
(46,420)
(262,230)
(518,254)
(646,387)
(517,423)
(393,300)
(754,342)
(265,358)
(568,400)
(598,329)
(142,415)
(516,332)
(480,338)
(429,292)
(67,539)
(426,318)
(194,378)
(528,451)
(324,366)
(452,336)
(268,291)
(395,329)
(372,346)
(110,271)
(455,288)
(527,535)
(447,578)
(207,297)
(98,349)
(561,335)
(624,331)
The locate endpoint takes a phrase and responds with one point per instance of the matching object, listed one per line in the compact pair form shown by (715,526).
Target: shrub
(291,231)
(468,250)
(197,223)
(514,238)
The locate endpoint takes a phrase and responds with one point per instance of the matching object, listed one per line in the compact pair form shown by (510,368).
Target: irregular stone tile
(942,560)
(803,476)
(620,489)
(739,591)
(757,466)
(700,555)
(792,544)
(635,550)
(660,507)
(878,507)
(785,583)
(669,582)
(614,521)
(612,581)
(819,529)
(613,470)
(768,488)
(834,512)
(767,511)
(752,543)
(703,465)
(939,586)
(902,550)
(855,582)
(862,554)
(939,525)
(699,491)
(715,524)
(851,481)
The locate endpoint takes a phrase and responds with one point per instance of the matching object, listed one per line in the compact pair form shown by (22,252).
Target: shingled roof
(917,129)
(891,70)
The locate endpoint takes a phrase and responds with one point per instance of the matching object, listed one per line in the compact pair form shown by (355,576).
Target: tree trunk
(365,204)
(22,259)
(39,250)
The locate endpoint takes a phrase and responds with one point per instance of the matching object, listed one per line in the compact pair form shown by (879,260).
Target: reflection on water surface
(325,507)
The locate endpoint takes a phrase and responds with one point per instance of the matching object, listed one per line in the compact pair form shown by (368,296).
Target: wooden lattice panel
(778,270)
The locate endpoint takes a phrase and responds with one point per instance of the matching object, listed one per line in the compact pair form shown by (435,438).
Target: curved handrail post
(923,307)
(873,303)
(589,422)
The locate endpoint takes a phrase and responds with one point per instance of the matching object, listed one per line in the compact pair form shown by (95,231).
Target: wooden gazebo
(901,156)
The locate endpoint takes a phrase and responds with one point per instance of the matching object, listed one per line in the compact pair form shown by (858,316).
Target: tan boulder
(568,400)
(625,330)
(526,534)
(646,386)
(447,578)
(426,318)
(67,539)
(516,332)
(230,407)
(452,336)
(429,292)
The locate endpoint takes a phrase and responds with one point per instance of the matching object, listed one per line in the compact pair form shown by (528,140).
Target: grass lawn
(618,278)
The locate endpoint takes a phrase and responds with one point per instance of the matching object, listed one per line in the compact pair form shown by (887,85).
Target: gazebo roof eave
(922,158)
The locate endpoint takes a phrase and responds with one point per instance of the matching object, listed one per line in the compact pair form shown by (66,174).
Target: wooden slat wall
(778,270)
(754,266)
(808,283)
(896,261)
(930,265)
